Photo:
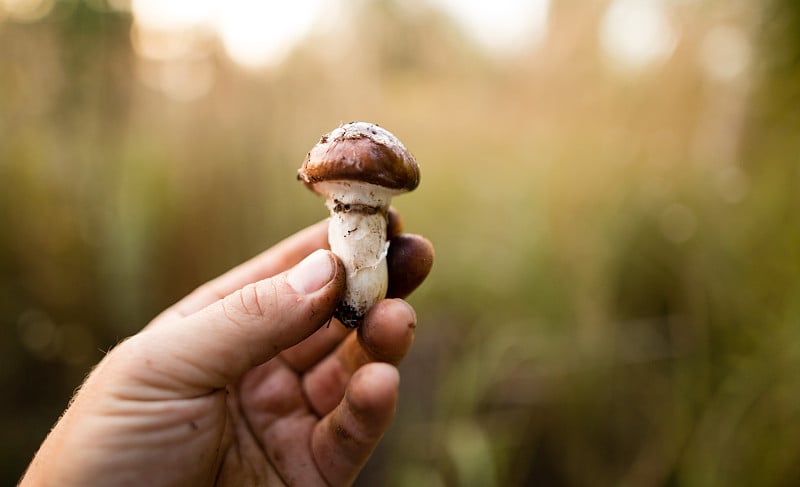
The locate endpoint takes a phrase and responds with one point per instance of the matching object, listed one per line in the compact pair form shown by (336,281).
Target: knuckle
(254,301)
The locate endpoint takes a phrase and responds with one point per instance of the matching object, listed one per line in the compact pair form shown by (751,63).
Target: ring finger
(385,336)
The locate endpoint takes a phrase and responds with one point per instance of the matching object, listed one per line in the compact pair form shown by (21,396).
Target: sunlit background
(612,188)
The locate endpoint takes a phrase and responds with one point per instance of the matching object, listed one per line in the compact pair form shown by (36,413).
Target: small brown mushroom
(359,167)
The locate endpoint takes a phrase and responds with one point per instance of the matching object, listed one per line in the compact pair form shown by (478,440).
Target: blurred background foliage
(613,197)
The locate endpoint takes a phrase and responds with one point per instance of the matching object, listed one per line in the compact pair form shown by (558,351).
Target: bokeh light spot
(256,34)
(725,53)
(637,33)
(502,26)
(25,10)
(174,14)
(38,333)
(163,45)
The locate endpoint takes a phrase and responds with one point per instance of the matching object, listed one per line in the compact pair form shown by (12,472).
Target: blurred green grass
(614,297)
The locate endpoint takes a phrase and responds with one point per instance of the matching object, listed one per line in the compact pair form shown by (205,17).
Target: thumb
(216,345)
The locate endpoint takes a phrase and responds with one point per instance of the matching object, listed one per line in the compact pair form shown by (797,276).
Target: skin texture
(243,382)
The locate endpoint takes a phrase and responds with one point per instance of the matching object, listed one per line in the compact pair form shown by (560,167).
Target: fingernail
(312,273)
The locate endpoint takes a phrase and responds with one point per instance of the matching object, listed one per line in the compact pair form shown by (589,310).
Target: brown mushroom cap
(361,151)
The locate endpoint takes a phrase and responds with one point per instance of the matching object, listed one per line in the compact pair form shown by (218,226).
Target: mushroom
(358,167)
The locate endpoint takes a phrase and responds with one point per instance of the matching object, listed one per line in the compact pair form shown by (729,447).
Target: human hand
(240,383)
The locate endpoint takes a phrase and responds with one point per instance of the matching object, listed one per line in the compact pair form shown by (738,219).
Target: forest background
(611,187)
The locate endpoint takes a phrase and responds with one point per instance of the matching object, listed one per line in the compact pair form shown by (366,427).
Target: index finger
(276,259)
(272,261)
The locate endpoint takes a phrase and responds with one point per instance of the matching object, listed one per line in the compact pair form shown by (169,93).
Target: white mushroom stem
(357,234)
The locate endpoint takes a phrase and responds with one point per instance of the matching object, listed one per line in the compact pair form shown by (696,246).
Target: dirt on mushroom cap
(364,152)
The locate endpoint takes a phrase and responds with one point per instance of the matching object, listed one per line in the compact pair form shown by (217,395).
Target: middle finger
(385,336)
